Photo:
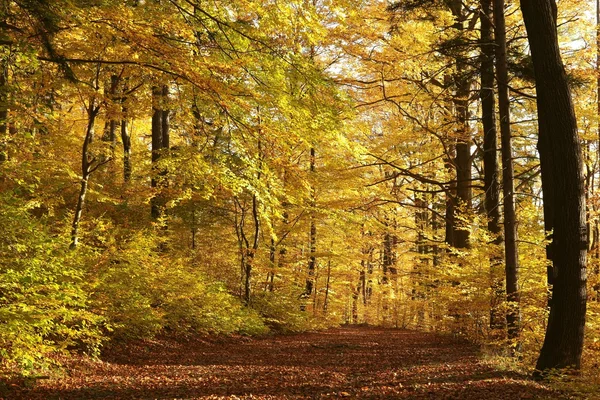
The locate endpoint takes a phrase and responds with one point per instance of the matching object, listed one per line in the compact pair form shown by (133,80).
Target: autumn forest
(263,167)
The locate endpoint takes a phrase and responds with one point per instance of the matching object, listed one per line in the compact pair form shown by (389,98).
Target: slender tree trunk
(312,257)
(490,163)
(560,153)
(596,229)
(126,140)
(3,110)
(513,316)
(87,167)
(271,272)
(110,125)
(157,145)
(165,119)
(325,301)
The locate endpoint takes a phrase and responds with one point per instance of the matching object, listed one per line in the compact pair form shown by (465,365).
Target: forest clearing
(253,171)
(369,363)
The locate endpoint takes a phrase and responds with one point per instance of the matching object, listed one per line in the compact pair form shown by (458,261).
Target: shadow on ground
(370,363)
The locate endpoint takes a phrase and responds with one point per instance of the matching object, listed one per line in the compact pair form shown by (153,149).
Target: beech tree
(561,161)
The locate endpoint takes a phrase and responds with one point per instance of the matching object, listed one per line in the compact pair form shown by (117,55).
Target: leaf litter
(349,362)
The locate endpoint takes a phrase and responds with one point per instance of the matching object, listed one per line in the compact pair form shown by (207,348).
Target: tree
(513,316)
(561,162)
(490,159)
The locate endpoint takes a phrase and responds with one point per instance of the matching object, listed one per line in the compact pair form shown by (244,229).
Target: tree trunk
(560,156)
(312,258)
(87,167)
(3,110)
(463,158)
(490,163)
(326,300)
(157,145)
(513,316)
(110,126)
(126,139)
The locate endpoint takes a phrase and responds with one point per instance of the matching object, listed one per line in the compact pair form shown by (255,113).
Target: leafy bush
(282,312)
(141,292)
(44,307)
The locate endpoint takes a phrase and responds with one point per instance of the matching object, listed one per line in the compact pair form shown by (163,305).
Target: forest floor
(354,362)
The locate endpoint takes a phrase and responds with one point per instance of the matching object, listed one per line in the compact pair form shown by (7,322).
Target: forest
(258,167)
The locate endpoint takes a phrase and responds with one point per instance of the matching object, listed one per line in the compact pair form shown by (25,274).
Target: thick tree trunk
(560,155)
(463,158)
(513,316)
(490,163)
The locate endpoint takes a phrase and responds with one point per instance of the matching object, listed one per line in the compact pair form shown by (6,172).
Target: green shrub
(44,308)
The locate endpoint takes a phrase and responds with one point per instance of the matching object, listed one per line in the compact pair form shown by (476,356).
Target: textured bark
(463,158)
(490,162)
(513,315)
(560,155)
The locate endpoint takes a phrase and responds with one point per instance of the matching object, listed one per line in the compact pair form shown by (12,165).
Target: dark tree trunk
(490,162)
(312,257)
(3,110)
(560,155)
(165,119)
(160,142)
(513,315)
(463,158)
(126,139)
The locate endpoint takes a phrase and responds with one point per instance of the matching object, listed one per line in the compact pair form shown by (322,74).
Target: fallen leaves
(370,363)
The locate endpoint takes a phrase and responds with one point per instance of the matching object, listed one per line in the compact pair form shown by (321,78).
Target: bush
(44,307)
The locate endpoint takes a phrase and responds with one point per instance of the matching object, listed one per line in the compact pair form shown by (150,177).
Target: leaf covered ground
(356,362)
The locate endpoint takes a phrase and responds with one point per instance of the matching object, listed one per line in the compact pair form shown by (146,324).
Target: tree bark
(560,156)
(490,163)
(312,258)
(126,140)
(463,158)
(160,141)
(513,315)
(3,110)
(88,165)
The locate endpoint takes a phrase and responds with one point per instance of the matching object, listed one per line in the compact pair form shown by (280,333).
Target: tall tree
(490,159)
(561,163)
(513,316)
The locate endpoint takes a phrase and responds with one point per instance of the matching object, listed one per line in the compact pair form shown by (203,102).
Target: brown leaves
(372,363)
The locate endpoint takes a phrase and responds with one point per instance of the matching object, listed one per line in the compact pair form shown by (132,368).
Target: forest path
(353,362)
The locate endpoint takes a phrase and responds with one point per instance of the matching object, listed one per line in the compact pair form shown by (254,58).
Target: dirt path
(368,363)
